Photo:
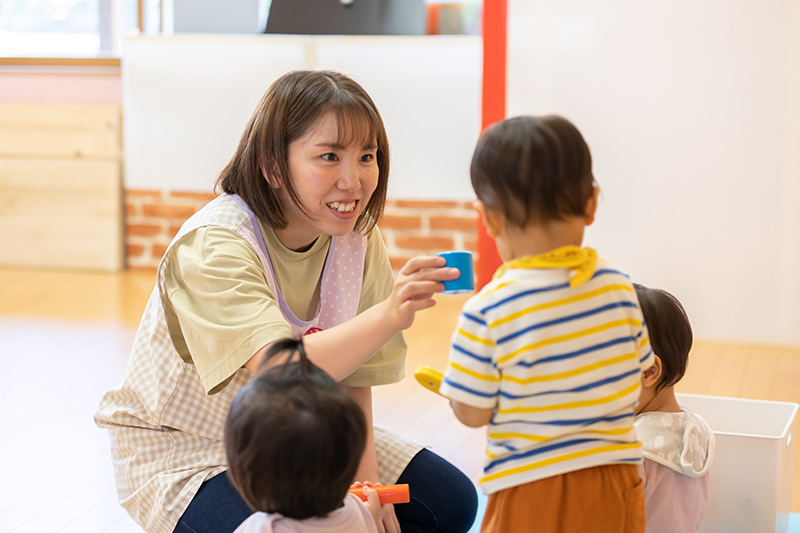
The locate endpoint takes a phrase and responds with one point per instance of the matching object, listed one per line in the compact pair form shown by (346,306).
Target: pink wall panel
(60,88)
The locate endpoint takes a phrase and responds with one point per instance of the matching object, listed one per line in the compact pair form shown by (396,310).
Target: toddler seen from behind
(293,440)
(678,445)
(550,353)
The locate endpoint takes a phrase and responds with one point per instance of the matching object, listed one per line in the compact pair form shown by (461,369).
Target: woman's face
(333,183)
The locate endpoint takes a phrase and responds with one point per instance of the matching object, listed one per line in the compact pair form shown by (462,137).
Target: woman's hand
(389,522)
(414,287)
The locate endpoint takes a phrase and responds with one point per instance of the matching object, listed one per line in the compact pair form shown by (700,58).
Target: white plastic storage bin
(751,476)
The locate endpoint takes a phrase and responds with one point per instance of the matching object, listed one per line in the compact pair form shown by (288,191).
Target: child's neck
(536,239)
(664,401)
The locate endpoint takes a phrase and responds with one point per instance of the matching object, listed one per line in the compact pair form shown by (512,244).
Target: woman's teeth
(342,208)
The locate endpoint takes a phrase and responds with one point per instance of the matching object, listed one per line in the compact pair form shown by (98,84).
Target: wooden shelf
(61,61)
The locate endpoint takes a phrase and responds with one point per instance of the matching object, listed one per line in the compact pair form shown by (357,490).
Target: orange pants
(603,499)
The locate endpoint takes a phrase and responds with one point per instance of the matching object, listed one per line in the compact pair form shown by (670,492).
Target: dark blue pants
(443,500)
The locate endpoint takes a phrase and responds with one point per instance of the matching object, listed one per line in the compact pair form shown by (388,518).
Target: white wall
(187,99)
(692,112)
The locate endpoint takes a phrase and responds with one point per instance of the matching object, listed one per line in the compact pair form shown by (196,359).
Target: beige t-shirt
(220,310)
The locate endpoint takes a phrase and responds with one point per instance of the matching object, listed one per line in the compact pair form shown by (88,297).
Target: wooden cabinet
(61,187)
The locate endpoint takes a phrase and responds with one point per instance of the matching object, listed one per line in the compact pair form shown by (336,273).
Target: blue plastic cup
(466,281)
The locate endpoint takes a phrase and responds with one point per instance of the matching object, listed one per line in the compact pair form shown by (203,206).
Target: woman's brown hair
(292,105)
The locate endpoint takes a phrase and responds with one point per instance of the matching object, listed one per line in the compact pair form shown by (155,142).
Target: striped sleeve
(643,347)
(472,377)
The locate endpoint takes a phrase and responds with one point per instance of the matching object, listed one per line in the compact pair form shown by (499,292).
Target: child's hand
(374,505)
(416,283)
(373,502)
(473,417)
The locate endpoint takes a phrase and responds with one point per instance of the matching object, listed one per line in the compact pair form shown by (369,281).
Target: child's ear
(652,375)
(591,206)
(492,220)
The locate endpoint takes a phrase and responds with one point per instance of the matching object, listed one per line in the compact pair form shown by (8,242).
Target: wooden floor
(65,339)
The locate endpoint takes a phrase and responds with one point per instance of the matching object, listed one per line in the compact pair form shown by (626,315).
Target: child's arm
(373,503)
(368,468)
(473,417)
(472,380)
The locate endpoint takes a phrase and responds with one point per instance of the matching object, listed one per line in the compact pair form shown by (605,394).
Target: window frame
(78,61)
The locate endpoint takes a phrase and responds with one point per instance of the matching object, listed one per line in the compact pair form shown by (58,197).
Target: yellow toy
(430,378)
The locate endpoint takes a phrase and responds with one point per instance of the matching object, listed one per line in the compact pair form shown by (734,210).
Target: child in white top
(293,440)
(678,445)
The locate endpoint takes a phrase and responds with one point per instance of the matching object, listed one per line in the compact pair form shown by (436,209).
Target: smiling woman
(334,182)
(290,249)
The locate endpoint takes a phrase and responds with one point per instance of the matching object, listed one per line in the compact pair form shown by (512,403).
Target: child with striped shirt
(550,353)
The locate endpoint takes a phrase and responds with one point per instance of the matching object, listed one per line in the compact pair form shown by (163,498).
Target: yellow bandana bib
(581,261)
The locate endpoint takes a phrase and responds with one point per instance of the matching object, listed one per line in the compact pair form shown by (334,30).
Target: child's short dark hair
(293,437)
(533,169)
(670,332)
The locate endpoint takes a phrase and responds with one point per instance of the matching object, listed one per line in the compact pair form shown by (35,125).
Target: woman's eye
(329,157)
(368,158)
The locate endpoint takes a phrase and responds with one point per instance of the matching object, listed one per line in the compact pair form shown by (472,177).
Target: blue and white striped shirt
(560,365)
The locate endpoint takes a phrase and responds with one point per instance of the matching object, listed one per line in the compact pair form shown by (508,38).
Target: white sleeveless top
(352,517)
(166,432)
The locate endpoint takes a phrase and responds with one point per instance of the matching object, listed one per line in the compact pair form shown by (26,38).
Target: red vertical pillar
(493,109)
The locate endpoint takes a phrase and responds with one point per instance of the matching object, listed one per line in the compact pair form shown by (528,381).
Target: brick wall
(416,227)
(152,219)
(409,227)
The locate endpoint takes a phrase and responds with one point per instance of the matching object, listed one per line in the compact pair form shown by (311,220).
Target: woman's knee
(464,498)
(443,498)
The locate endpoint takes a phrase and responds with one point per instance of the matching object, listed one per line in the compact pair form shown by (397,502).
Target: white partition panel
(188,98)
(428,92)
(692,112)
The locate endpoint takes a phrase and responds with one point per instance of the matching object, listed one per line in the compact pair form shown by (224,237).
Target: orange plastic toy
(386,493)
